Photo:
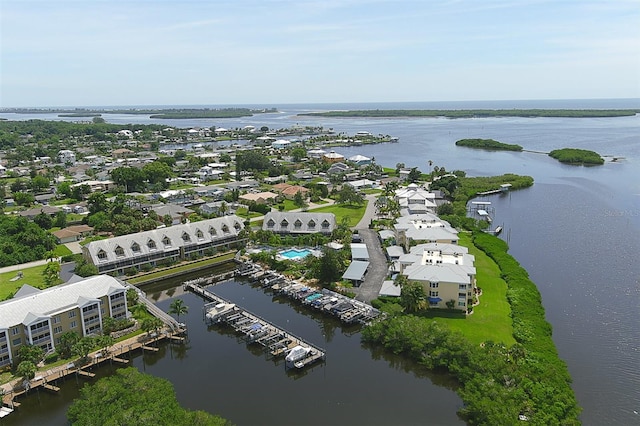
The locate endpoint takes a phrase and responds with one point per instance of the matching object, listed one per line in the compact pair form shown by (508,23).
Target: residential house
(266,197)
(178,213)
(174,243)
(66,156)
(332,157)
(299,222)
(360,160)
(290,191)
(41,317)
(416,200)
(72,233)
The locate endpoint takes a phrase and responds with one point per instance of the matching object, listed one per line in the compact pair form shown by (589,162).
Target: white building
(66,156)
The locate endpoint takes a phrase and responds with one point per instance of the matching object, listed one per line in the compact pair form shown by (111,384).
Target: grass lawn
(32,276)
(61,250)
(490,319)
(354,213)
(183,268)
(244,211)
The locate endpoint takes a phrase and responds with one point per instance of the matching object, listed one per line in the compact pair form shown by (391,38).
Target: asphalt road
(378,266)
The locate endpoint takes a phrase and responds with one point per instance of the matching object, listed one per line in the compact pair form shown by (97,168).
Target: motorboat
(296,354)
(219,311)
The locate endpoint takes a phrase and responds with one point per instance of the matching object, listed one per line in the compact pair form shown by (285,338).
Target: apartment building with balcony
(40,317)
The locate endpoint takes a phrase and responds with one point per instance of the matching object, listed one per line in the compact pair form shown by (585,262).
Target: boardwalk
(276,341)
(48,379)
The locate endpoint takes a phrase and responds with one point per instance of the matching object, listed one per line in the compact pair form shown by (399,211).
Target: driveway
(378,267)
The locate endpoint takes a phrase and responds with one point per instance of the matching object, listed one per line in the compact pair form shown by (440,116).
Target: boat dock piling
(276,341)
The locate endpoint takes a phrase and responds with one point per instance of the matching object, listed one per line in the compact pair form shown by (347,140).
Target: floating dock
(276,341)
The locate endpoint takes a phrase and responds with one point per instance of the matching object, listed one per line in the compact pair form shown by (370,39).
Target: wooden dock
(276,341)
(48,379)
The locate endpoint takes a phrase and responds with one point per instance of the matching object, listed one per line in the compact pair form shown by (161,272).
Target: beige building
(40,317)
(446,272)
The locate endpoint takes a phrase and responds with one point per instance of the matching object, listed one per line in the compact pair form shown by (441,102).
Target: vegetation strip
(488,144)
(478,113)
(498,384)
(577,156)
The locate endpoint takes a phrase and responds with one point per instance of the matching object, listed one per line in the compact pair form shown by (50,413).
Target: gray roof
(299,222)
(359,251)
(172,210)
(178,235)
(356,271)
(389,288)
(443,272)
(386,233)
(56,299)
(395,251)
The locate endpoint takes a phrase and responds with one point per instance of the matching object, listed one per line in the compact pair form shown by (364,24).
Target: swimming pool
(295,254)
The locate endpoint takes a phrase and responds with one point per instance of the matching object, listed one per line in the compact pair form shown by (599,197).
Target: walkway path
(26,265)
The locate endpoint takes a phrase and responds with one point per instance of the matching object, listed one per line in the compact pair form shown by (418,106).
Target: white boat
(297,353)
(216,313)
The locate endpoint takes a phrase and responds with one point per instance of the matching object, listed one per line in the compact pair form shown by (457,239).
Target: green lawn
(354,213)
(490,320)
(32,276)
(183,268)
(61,250)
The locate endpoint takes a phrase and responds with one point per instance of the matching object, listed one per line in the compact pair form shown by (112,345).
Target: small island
(577,156)
(211,113)
(488,144)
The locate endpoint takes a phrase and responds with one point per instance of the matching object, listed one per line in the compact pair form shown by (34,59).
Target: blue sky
(155,52)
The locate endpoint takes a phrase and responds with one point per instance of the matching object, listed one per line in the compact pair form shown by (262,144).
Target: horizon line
(139,106)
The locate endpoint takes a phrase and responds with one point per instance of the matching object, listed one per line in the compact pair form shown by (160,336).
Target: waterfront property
(173,243)
(446,272)
(40,317)
(299,223)
(424,228)
(415,199)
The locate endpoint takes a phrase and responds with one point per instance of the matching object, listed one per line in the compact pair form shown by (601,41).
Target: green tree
(177,308)
(43,220)
(412,297)
(151,325)
(348,195)
(39,183)
(26,370)
(298,154)
(82,347)
(60,220)
(97,202)
(31,353)
(157,172)
(414,175)
(331,266)
(64,188)
(51,273)
(298,200)
(23,198)
(132,398)
(67,340)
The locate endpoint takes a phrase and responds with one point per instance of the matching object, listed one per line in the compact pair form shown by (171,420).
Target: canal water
(576,231)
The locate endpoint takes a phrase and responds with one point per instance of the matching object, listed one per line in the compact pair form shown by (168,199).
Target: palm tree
(178,308)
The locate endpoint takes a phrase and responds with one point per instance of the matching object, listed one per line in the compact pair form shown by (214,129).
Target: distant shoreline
(480,113)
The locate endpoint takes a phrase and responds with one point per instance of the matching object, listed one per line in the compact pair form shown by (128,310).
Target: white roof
(389,288)
(56,299)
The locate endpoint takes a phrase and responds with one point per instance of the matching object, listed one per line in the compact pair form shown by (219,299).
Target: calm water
(577,232)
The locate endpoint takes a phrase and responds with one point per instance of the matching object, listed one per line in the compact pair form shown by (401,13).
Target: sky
(252,52)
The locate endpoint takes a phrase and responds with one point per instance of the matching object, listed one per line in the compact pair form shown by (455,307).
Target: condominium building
(172,243)
(446,272)
(40,317)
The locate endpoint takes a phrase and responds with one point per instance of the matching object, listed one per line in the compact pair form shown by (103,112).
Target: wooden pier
(48,379)
(276,341)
